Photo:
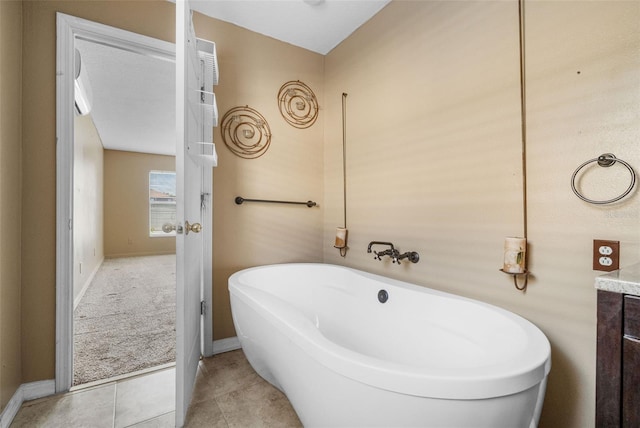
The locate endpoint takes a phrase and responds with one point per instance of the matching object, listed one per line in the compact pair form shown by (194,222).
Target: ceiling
(316,25)
(133,96)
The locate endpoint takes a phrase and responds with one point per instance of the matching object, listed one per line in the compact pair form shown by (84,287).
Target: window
(162,202)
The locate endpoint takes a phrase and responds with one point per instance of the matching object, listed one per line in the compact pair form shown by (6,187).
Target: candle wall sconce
(298,104)
(515,275)
(246,132)
(515,260)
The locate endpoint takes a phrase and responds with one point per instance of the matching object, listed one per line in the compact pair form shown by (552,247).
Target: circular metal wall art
(246,132)
(298,104)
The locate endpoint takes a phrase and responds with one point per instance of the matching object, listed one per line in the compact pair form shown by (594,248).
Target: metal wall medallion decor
(246,132)
(298,104)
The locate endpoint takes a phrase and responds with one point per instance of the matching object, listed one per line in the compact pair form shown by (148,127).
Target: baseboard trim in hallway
(25,392)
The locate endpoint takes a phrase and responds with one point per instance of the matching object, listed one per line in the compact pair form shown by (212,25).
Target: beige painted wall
(10,188)
(433,158)
(252,70)
(126,204)
(253,67)
(88,196)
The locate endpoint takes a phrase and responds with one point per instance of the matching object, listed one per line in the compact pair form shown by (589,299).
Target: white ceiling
(316,25)
(133,104)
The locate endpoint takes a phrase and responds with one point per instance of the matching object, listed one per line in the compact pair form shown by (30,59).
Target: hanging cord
(343,251)
(523,120)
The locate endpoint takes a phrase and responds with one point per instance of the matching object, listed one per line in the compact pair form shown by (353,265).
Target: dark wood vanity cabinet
(618,360)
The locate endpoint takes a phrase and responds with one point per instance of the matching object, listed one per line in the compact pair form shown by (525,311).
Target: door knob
(168,227)
(195,227)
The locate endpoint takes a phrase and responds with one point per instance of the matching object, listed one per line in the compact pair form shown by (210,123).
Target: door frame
(68,29)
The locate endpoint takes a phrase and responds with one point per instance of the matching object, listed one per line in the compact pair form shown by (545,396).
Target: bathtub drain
(383,296)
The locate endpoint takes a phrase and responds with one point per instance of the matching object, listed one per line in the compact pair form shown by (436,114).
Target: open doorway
(124,163)
(193,261)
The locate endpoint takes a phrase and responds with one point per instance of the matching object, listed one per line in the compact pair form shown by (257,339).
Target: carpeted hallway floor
(125,322)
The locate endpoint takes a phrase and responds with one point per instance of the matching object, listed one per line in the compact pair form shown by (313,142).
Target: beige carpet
(126,320)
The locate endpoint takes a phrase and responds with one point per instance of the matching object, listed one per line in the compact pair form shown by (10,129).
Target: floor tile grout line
(149,419)
(239,388)
(226,421)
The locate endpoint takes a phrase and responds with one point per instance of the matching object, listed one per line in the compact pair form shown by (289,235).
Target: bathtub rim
(455,383)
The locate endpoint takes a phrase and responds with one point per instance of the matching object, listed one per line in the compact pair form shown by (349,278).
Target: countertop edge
(625,280)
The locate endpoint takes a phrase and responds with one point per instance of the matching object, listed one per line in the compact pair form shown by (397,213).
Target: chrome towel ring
(604,160)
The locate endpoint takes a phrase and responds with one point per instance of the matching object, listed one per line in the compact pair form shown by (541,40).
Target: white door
(192,197)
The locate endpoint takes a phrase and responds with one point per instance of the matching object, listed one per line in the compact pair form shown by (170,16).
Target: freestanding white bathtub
(424,358)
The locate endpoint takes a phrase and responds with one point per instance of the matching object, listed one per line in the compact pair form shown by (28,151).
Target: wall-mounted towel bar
(239,200)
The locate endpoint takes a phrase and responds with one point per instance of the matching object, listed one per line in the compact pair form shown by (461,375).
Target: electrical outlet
(606,255)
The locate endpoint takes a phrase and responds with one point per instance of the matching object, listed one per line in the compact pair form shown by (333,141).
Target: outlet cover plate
(611,258)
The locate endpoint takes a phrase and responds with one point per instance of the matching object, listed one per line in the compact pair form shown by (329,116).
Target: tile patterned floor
(228,393)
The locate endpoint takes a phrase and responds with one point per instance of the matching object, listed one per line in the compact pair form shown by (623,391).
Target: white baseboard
(25,392)
(226,345)
(76,301)
(138,254)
